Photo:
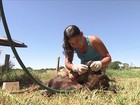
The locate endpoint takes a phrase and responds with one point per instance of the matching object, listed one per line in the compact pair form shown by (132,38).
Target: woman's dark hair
(69,32)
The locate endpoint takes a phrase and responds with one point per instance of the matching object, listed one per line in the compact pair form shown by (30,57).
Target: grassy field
(127,86)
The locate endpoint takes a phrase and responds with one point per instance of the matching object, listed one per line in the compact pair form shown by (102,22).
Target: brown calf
(91,80)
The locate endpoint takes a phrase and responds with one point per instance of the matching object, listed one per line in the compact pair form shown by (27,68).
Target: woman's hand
(80,68)
(96,65)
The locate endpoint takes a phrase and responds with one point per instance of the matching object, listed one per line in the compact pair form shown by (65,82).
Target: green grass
(124,73)
(19,75)
(127,86)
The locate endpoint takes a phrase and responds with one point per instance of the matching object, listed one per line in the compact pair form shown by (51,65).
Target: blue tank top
(90,54)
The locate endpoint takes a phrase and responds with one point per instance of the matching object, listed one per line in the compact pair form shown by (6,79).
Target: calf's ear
(89,63)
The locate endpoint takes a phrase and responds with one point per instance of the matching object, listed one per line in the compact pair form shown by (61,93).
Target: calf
(91,80)
(62,83)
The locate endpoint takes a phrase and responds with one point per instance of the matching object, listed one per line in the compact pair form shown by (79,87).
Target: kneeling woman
(88,48)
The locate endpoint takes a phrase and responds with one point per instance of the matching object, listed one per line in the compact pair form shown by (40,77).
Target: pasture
(127,86)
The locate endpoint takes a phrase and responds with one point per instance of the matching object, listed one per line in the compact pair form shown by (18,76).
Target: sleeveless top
(90,54)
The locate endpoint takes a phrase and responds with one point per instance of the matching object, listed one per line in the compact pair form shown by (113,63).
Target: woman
(89,48)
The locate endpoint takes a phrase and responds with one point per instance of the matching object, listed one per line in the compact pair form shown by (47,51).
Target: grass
(16,75)
(124,73)
(127,86)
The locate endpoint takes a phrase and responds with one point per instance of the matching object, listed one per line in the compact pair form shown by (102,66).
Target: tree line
(117,65)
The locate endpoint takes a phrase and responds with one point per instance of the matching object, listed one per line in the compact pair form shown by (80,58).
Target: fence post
(57,66)
(6,64)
